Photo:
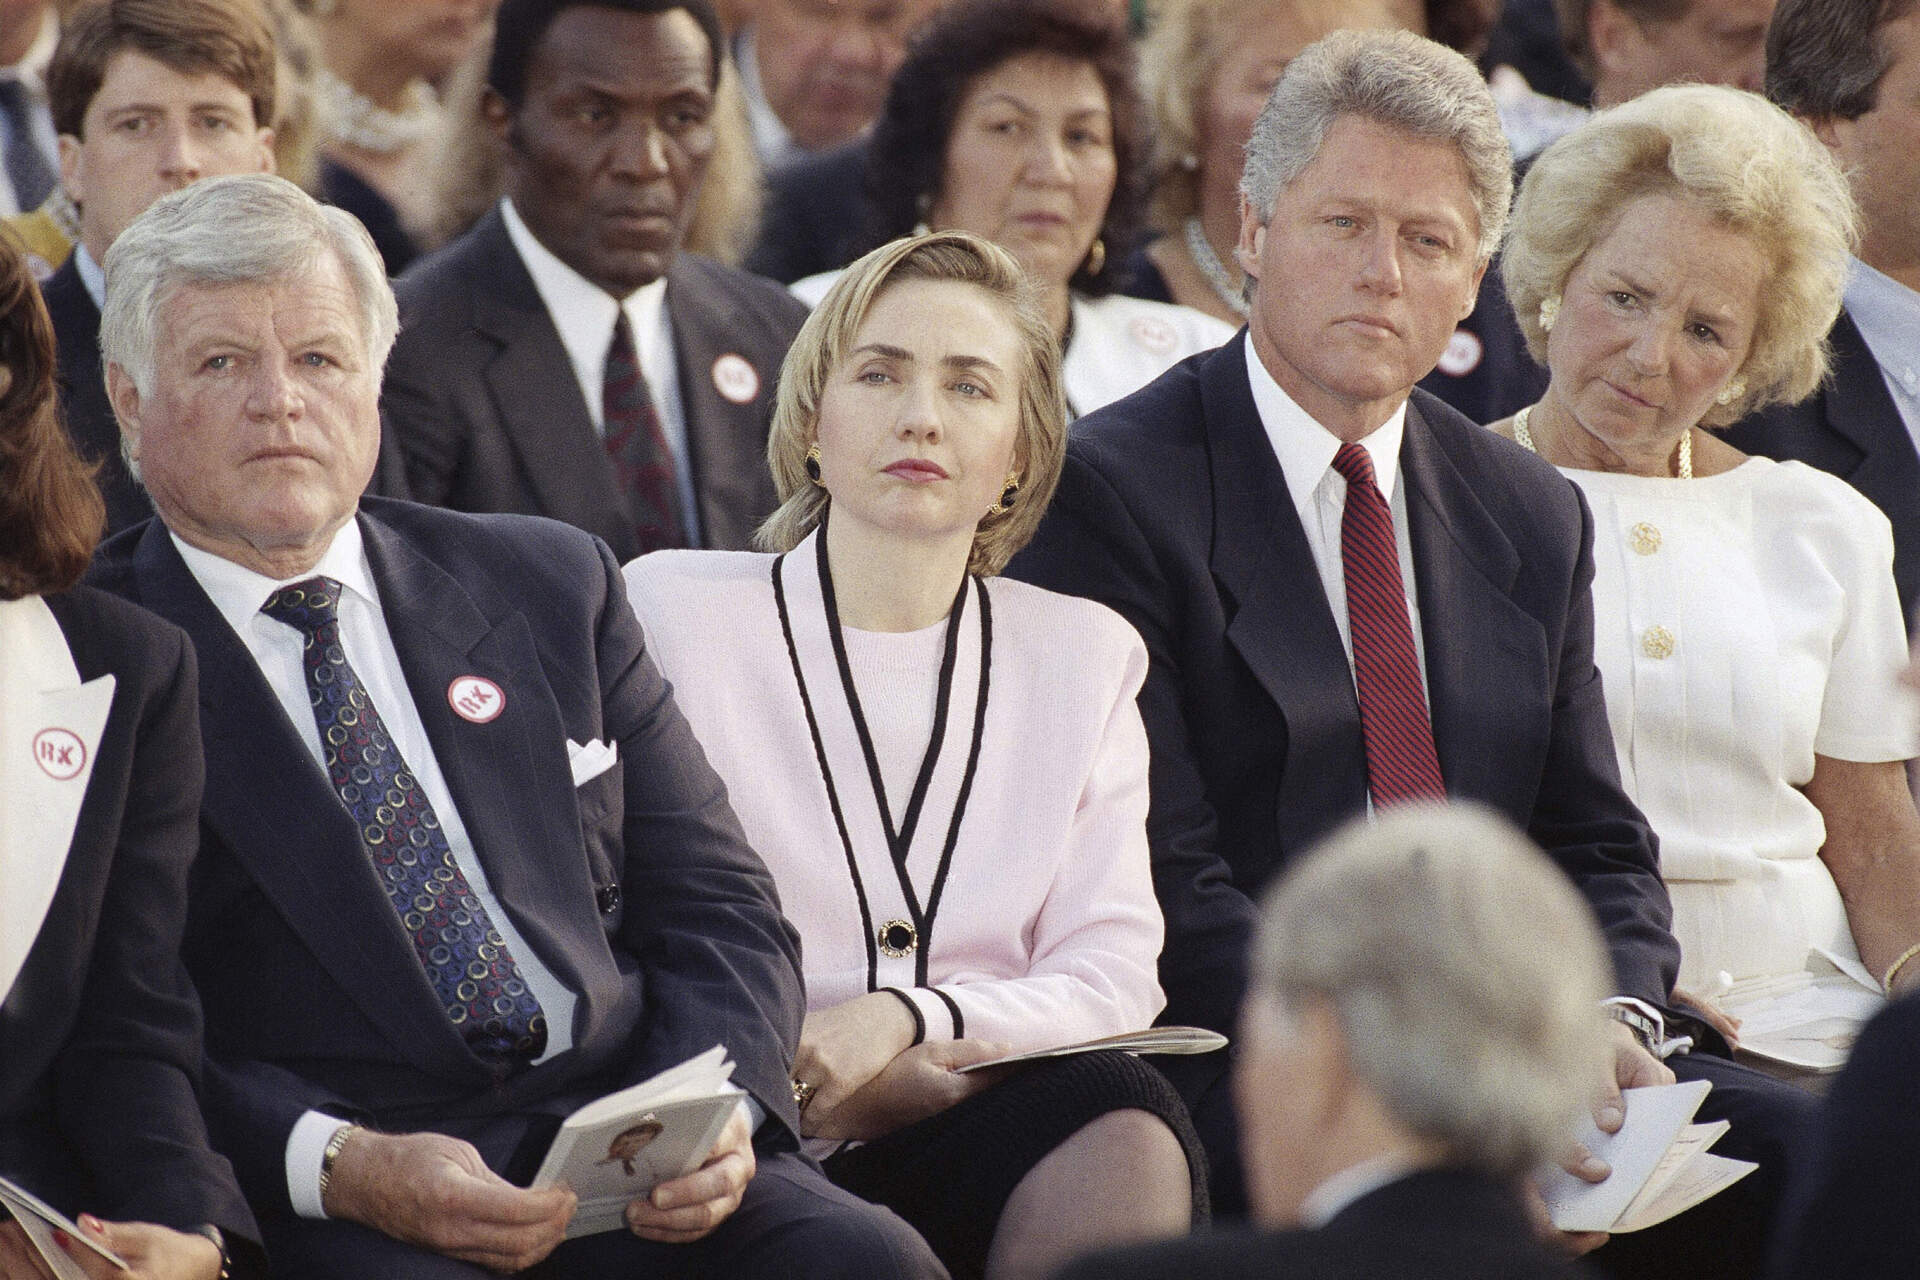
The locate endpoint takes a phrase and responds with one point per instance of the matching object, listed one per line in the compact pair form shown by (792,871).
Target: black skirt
(950,1174)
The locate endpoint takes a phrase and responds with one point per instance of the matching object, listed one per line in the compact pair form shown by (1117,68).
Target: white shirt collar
(1325,1201)
(1305,449)
(238,592)
(582,311)
(91,276)
(1886,311)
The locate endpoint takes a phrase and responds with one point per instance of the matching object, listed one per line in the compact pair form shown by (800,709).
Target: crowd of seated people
(891,535)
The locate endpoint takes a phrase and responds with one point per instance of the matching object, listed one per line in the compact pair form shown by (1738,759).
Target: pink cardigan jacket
(1048,930)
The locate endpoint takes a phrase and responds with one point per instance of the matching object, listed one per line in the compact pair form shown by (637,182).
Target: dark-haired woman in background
(100,773)
(1018,120)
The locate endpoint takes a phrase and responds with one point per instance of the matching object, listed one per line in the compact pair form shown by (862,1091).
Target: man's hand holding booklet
(1661,1165)
(616,1149)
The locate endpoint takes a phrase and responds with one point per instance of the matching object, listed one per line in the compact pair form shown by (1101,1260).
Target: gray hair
(1465,970)
(1393,78)
(247,229)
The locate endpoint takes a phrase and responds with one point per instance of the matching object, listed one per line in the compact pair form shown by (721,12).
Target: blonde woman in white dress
(1675,263)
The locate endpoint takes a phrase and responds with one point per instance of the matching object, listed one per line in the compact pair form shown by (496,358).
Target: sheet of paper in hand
(1661,1165)
(38,1219)
(617,1148)
(1153,1040)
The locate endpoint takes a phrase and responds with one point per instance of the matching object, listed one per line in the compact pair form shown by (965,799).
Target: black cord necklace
(915,935)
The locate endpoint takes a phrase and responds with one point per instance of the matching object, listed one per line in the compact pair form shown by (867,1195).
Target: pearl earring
(1731,392)
(1549,312)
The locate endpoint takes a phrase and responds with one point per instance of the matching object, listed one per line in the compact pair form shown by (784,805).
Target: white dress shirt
(238,593)
(1887,313)
(91,276)
(1305,450)
(584,314)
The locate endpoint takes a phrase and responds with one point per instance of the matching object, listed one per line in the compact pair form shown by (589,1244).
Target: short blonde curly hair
(1040,446)
(1742,160)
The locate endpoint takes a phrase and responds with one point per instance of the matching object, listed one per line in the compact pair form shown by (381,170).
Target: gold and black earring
(813,463)
(1007,496)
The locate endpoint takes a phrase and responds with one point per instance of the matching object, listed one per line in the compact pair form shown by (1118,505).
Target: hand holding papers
(618,1148)
(39,1220)
(1661,1166)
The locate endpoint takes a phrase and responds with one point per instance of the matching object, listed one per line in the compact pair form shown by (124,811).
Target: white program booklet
(1177,1040)
(1808,1019)
(1661,1165)
(618,1148)
(38,1219)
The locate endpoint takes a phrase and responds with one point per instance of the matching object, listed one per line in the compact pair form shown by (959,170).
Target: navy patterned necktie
(465,957)
(1401,764)
(637,444)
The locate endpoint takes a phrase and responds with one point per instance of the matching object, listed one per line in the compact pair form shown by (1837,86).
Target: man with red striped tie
(1351,595)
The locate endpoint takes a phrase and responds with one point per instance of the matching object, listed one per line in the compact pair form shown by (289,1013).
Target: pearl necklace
(1201,251)
(356,120)
(1524,438)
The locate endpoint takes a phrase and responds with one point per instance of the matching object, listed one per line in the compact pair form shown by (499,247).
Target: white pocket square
(588,761)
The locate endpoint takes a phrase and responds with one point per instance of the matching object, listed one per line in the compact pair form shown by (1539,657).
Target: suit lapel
(531,852)
(1486,658)
(726,438)
(537,398)
(1281,624)
(312,867)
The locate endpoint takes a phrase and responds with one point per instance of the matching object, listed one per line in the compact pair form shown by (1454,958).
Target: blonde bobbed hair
(947,256)
(1742,160)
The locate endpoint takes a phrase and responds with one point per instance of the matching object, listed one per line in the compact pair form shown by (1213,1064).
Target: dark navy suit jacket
(636,888)
(1441,1224)
(1173,511)
(1852,428)
(100,1033)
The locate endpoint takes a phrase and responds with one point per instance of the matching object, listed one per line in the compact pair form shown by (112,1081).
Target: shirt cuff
(756,1114)
(306,1148)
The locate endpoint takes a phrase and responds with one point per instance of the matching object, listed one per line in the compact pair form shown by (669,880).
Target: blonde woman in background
(378,88)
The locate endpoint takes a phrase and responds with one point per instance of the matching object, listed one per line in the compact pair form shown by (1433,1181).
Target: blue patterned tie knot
(471,968)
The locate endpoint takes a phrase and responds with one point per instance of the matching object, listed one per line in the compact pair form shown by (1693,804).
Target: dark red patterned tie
(1401,764)
(642,459)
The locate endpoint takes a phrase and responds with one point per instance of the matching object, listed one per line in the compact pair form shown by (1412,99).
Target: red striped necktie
(1401,764)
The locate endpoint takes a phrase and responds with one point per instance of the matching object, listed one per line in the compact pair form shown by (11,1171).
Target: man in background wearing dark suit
(565,357)
(1381,1142)
(1851,70)
(148,96)
(463,867)
(1351,595)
